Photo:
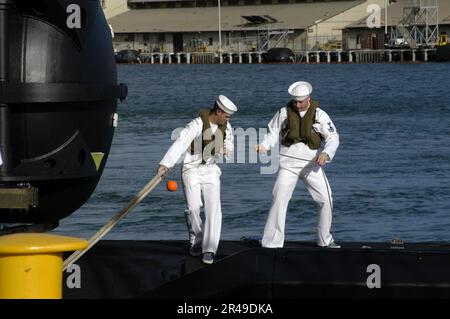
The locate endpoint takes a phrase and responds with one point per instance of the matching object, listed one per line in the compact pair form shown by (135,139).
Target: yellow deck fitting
(31,265)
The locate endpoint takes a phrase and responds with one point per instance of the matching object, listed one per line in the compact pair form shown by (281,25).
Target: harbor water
(390,177)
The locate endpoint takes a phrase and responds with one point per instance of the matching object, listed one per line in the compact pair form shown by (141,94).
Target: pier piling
(328,57)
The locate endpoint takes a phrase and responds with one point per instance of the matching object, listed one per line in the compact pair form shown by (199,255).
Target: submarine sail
(58,101)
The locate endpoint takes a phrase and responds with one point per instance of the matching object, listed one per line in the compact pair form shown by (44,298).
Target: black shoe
(208,258)
(195,250)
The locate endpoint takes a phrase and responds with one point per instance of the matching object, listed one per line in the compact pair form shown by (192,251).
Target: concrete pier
(335,56)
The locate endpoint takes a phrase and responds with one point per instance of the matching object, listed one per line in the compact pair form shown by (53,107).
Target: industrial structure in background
(175,30)
(412,24)
(419,25)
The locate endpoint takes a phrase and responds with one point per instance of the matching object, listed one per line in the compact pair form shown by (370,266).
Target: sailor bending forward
(301,127)
(204,139)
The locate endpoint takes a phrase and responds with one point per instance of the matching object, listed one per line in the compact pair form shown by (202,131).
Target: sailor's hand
(260,148)
(163,170)
(322,159)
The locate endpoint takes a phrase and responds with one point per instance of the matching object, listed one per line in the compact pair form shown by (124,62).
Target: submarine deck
(165,270)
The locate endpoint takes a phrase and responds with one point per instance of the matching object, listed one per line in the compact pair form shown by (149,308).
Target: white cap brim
(300,90)
(299,98)
(226,105)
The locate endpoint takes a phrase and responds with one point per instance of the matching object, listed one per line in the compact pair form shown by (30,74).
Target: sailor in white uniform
(302,128)
(204,140)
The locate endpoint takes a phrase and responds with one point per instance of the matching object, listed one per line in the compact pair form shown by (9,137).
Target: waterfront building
(172,26)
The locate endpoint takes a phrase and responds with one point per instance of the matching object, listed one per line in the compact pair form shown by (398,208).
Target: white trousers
(203,181)
(297,162)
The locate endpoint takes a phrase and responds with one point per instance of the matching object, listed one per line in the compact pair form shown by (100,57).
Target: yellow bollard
(31,265)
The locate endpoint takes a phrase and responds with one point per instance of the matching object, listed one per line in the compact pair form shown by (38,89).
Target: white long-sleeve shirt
(192,131)
(323,125)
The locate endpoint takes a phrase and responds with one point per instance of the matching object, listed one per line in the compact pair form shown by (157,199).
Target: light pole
(220,29)
(385,17)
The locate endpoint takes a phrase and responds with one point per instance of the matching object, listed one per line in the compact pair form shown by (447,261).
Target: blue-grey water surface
(390,177)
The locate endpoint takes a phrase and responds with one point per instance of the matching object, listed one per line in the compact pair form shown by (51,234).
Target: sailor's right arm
(184,140)
(273,133)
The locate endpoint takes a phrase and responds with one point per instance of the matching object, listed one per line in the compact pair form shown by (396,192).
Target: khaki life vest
(204,115)
(300,130)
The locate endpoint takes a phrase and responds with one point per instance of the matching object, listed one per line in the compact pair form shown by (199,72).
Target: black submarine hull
(443,53)
(164,270)
(279,55)
(58,102)
(128,56)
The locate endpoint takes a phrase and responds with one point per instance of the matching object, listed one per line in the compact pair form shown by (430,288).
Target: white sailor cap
(300,90)
(226,105)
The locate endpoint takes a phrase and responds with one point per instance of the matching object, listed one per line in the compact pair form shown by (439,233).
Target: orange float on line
(171,186)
